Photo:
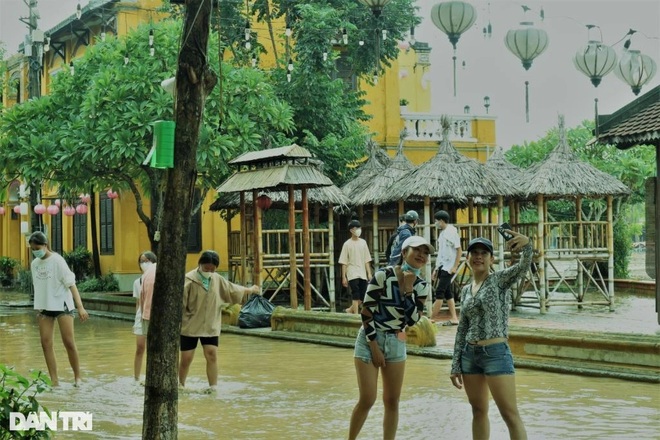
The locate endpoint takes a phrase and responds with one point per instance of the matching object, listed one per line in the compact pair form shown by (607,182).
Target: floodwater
(271,389)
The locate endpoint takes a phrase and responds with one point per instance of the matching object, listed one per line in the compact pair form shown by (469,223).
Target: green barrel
(163,157)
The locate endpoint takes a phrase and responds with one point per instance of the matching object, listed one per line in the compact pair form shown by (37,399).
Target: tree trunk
(194,81)
(96,260)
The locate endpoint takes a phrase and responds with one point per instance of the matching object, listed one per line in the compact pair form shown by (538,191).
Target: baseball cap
(411,216)
(480,241)
(417,241)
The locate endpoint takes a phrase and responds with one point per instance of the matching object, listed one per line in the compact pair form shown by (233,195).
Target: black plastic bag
(255,313)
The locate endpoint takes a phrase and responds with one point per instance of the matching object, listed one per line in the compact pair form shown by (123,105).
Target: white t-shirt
(52,279)
(448,242)
(355,256)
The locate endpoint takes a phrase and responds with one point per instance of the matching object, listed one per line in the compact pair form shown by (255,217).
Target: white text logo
(70,421)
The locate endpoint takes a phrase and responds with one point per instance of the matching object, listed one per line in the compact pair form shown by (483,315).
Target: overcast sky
(556,86)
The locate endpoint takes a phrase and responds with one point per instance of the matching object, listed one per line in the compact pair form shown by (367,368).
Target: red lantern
(17,209)
(2,210)
(57,202)
(39,209)
(85,198)
(112,194)
(53,210)
(81,209)
(264,202)
(69,210)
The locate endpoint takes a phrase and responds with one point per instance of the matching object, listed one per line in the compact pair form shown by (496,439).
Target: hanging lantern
(17,209)
(527,43)
(39,209)
(264,202)
(2,210)
(81,209)
(112,194)
(69,211)
(403,45)
(85,198)
(163,157)
(57,202)
(635,69)
(595,60)
(453,18)
(53,210)
(376,6)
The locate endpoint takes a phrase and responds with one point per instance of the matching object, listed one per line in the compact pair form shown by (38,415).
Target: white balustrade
(426,127)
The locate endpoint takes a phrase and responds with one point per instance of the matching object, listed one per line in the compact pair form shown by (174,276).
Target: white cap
(417,241)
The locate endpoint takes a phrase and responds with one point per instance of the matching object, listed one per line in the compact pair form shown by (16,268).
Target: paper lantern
(112,194)
(163,156)
(69,210)
(85,198)
(2,210)
(17,209)
(404,45)
(57,202)
(264,202)
(81,209)
(53,210)
(39,209)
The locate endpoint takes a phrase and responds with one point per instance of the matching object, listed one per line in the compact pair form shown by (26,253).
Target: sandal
(449,323)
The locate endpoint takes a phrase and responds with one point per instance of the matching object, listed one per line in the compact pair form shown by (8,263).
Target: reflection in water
(272,389)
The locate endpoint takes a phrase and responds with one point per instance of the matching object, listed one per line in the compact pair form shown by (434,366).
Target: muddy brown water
(271,389)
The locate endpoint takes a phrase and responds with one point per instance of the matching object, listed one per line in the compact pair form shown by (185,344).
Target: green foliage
(622,248)
(18,394)
(106,283)
(80,262)
(7,267)
(24,280)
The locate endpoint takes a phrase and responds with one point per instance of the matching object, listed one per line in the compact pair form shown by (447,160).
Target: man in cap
(355,262)
(403,232)
(446,265)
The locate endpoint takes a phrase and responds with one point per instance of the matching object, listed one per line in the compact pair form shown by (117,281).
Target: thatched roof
(450,177)
(564,174)
(508,172)
(378,160)
(289,152)
(325,196)
(378,190)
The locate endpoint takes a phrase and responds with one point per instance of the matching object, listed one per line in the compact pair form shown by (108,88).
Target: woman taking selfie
(482,360)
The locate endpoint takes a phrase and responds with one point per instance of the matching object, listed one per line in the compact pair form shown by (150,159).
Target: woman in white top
(145,260)
(55,293)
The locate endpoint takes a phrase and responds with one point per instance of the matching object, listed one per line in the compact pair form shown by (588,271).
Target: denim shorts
(392,347)
(489,360)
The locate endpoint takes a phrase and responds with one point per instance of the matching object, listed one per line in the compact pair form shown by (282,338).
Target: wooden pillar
(256,240)
(540,245)
(293,270)
(580,245)
(331,258)
(657,229)
(376,246)
(307,263)
(500,240)
(610,251)
(401,212)
(427,236)
(243,239)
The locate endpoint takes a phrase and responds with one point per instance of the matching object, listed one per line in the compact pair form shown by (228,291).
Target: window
(195,228)
(56,233)
(106,225)
(79,231)
(345,72)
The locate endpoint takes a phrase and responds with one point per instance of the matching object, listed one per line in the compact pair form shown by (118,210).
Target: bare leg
(367,378)
(476,389)
(65,322)
(211,355)
(451,305)
(46,328)
(184,366)
(437,305)
(140,345)
(503,389)
(392,383)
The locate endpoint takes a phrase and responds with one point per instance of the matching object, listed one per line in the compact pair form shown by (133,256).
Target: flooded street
(271,389)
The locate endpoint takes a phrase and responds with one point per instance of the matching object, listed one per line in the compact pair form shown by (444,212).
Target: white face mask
(357,232)
(145,265)
(206,275)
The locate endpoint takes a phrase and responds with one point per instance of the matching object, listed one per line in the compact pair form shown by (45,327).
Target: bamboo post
(374,235)
(500,220)
(307,281)
(331,258)
(293,270)
(610,251)
(427,236)
(580,243)
(256,240)
(401,210)
(540,245)
(243,238)
(318,279)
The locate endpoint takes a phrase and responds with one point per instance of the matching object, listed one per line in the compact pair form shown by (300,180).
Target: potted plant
(403,104)
(7,266)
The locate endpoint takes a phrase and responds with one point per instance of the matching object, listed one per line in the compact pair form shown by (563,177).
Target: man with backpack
(390,241)
(404,231)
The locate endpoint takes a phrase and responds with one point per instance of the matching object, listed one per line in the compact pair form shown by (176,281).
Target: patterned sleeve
(461,333)
(507,277)
(375,290)
(414,307)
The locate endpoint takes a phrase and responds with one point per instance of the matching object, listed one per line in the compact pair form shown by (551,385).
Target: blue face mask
(407,267)
(39,253)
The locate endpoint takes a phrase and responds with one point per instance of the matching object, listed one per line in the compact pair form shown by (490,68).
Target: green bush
(7,267)
(25,281)
(622,248)
(80,262)
(107,283)
(18,394)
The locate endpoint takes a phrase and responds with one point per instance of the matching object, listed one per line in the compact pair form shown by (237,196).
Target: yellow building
(121,235)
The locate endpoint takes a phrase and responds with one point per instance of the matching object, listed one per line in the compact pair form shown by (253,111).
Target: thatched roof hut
(378,189)
(378,160)
(508,172)
(325,196)
(563,174)
(450,177)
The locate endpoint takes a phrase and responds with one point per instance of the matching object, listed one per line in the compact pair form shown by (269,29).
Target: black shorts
(190,342)
(443,291)
(358,288)
(56,313)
